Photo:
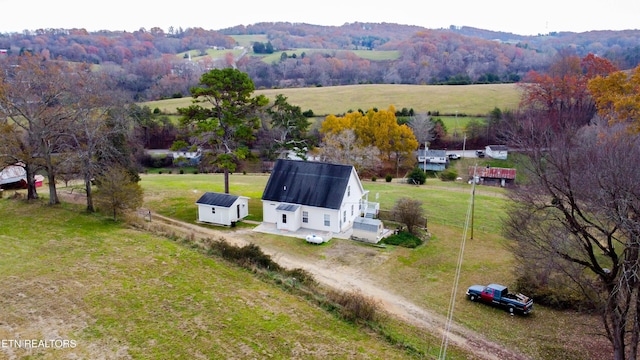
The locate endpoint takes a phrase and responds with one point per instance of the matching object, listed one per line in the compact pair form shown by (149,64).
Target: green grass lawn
(122,293)
(447,99)
(424,275)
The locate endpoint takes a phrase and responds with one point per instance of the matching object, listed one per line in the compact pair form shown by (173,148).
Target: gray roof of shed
(367,224)
(308,183)
(217,199)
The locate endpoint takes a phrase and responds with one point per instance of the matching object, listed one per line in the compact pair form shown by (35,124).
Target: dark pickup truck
(499,295)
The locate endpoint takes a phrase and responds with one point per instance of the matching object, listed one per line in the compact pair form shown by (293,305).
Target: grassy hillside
(122,293)
(467,99)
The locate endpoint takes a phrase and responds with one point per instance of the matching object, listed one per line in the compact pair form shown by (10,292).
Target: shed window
(213,210)
(327,220)
(284,218)
(305,217)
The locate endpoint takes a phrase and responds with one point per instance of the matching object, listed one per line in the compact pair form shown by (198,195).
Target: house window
(327,220)
(284,218)
(349,190)
(344,216)
(351,209)
(213,210)
(305,217)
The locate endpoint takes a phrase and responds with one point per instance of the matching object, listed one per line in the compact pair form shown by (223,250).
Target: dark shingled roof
(308,183)
(217,199)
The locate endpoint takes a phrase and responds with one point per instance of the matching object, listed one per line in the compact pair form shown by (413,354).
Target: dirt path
(349,277)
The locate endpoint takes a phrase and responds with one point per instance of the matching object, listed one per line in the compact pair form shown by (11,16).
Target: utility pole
(473,197)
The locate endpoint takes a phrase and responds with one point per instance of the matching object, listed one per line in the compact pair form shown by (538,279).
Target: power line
(469,220)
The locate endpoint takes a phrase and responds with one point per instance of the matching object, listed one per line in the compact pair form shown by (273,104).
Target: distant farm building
(499,152)
(493,175)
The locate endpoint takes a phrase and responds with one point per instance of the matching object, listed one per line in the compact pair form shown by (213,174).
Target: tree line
(146,65)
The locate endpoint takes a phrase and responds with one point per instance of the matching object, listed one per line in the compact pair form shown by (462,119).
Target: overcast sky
(519,17)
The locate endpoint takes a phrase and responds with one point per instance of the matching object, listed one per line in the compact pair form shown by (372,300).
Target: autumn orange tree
(560,97)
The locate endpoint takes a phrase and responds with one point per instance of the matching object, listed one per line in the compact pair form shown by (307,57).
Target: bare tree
(99,118)
(422,128)
(35,98)
(578,218)
(409,211)
(343,148)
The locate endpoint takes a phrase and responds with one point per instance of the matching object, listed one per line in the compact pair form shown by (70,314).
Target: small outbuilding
(222,209)
(499,152)
(367,230)
(493,175)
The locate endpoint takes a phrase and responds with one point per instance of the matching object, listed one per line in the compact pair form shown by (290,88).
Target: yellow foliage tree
(617,97)
(379,128)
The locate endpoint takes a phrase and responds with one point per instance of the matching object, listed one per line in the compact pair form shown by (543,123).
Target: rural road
(349,278)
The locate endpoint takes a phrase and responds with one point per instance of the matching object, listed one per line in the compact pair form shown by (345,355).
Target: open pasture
(447,99)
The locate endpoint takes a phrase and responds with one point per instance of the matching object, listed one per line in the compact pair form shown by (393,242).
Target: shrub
(403,239)
(301,276)
(449,174)
(417,176)
(388,178)
(353,306)
(246,256)
(373,178)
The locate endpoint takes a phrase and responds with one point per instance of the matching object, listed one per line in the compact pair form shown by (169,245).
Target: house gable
(308,183)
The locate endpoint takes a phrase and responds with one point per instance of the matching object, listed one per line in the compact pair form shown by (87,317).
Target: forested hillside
(153,63)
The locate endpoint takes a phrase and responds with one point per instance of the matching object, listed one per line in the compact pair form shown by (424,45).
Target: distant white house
(222,209)
(499,152)
(434,160)
(187,156)
(320,197)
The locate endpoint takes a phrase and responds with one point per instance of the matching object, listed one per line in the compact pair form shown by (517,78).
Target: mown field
(471,100)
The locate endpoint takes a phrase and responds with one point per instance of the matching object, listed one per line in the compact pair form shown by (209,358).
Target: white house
(316,196)
(497,151)
(434,160)
(187,156)
(222,209)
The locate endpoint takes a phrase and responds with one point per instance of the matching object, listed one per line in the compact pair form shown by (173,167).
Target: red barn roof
(493,172)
